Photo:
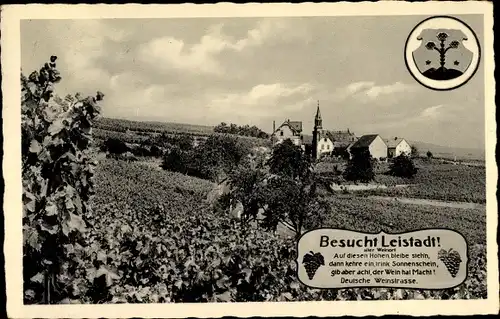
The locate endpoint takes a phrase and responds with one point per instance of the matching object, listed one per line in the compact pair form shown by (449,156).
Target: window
(281,133)
(322,146)
(324,139)
(328,147)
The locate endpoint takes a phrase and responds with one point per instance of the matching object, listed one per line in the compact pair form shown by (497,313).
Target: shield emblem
(442,55)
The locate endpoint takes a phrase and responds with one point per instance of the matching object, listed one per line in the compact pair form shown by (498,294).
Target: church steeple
(318,121)
(318,126)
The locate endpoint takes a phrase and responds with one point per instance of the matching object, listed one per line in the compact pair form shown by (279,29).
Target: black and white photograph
(193,159)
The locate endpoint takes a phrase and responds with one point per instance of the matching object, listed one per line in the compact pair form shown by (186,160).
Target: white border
(413,44)
(11,164)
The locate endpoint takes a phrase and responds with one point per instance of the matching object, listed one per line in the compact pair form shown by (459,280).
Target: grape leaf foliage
(57,167)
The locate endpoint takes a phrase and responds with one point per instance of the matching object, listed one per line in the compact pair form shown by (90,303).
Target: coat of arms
(442,53)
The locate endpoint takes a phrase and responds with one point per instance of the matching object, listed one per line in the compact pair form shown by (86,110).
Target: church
(321,142)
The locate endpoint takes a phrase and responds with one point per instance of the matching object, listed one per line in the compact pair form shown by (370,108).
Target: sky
(259,70)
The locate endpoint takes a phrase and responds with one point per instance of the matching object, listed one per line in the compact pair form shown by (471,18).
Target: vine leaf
(51,210)
(35,147)
(73,223)
(56,127)
(110,276)
(31,237)
(29,201)
(225,297)
(38,278)
(51,229)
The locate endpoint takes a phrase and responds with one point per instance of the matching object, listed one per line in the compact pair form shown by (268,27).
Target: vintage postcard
(249,160)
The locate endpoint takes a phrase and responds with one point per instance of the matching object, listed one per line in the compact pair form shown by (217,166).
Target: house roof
(364,141)
(340,136)
(341,144)
(392,143)
(295,126)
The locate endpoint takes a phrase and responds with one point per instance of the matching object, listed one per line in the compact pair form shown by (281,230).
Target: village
(339,143)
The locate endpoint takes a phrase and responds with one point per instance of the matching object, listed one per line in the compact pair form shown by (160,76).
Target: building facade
(291,130)
(397,146)
(373,143)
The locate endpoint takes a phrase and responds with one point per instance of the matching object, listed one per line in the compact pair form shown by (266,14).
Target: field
(143,132)
(446,182)
(372,215)
(157,127)
(158,233)
(435,180)
(145,211)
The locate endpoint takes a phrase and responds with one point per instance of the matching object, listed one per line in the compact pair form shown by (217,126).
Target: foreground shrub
(360,166)
(115,146)
(402,166)
(216,157)
(176,160)
(289,160)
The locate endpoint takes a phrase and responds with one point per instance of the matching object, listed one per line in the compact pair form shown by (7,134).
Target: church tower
(318,121)
(318,126)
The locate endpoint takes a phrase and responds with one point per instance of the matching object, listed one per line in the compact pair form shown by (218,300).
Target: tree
(183,141)
(115,146)
(286,193)
(429,154)
(289,160)
(414,151)
(217,156)
(360,166)
(293,202)
(175,160)
(402,166)
(246,187)
(245,130)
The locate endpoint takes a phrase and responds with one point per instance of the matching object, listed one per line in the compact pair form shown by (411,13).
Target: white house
(288,130)
(397,146)
(325,144)
(373,143)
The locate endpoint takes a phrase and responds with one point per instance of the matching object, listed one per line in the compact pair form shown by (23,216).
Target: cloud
(77,44)
(365,91)
(264,31)
(262,99)
(202,57)
(432,112)
(169,52)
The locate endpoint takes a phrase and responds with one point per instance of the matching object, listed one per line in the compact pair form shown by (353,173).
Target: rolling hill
(122,125)
(449,152)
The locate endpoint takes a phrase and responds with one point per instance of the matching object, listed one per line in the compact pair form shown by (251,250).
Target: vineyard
(121,125)
(161,241)
(446,182)
(102,230)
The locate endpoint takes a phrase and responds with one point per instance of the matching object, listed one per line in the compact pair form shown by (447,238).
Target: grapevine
(57,169)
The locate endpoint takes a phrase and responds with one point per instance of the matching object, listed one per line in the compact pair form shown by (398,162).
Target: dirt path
(430,202)
(363,187)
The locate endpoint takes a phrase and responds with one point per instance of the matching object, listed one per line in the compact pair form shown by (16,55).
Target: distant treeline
(245,130)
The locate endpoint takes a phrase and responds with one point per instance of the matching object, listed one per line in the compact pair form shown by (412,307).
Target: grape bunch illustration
(451,260)
(312,261)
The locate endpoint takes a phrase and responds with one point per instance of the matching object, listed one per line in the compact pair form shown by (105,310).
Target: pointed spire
(318,122)
(318,113)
